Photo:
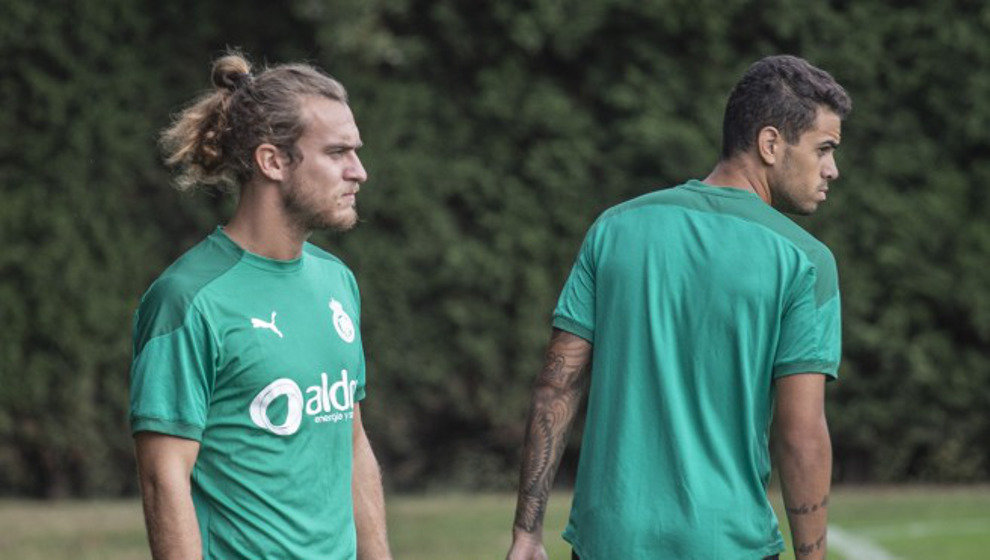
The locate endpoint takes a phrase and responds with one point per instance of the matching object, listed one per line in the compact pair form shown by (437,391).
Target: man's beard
(305,212)
(783,197)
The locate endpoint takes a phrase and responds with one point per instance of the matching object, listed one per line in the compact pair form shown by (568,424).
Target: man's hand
(526,546)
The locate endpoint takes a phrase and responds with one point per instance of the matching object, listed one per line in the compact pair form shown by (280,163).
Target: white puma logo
(270,325)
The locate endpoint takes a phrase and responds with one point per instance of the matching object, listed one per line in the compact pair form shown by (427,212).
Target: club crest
(341,321)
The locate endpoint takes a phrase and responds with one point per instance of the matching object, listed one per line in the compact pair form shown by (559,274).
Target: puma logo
(270,325)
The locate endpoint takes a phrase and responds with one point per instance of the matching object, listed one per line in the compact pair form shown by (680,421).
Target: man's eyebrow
(343,146)
(829,143)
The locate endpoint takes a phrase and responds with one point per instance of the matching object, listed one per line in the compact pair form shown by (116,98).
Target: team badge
(341,322)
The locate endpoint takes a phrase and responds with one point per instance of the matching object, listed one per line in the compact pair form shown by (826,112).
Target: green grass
(96,530)
(919,523)
(911,523)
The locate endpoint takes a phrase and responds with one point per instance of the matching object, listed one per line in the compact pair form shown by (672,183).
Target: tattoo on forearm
(804,509)
(806,549)
(553,368)
(556,397)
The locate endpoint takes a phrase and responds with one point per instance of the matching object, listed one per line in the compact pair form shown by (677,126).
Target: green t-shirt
(260,361)
(694,298)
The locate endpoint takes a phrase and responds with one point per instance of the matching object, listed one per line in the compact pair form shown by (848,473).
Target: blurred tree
(74,160)
(498,130)
(88,218)
(495,133)
(910,231)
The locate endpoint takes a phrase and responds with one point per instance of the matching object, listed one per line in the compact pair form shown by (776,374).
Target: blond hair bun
(230,71)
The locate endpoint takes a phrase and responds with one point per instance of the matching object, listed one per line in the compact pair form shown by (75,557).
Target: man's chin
(805,209)
(334,222)
(343,227)
(342,223)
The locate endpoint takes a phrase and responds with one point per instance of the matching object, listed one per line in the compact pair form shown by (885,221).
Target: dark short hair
(781,91)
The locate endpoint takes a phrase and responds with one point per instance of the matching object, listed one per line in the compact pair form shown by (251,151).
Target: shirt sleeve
(575,311)
(172,374)
(810,332)
(360,374)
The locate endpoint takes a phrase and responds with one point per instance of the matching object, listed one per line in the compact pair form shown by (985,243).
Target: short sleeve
(575,311)
(810,331)
(172,374)
(360,377)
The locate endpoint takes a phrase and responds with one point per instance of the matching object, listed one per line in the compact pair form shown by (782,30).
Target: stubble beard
(305,213)
(783,192)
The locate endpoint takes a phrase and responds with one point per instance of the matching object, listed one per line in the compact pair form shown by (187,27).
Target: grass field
(907,523)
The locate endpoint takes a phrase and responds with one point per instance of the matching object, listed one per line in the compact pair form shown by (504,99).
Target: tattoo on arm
(556,396)
(804,509)
(804,550)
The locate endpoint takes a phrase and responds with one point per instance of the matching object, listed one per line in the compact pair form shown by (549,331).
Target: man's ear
(769,143)
(271,162)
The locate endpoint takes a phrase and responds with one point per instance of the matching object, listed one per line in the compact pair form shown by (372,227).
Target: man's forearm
(805,475)
(173,532)
(556,397)
(369,503)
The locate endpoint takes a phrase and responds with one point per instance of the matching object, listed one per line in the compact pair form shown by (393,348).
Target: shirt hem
(829,370)
(777,549)
(167,427)
(570,538)
(570,325)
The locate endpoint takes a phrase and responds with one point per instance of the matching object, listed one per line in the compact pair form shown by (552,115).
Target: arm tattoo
(805,550)
(804,509)
(553,368)
(556,396)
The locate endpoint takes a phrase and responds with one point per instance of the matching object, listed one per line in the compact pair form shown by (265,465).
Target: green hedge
(495,133)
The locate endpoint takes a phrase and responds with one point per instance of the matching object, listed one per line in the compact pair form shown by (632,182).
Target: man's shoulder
(323,256)
(331,263)
(658,198)
(167,301)
(816,251)
(194,269)
(759,217)
(630,210)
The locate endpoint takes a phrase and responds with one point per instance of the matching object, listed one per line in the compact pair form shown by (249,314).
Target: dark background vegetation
(495,132)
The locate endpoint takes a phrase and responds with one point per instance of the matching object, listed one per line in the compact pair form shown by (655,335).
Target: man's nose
(355,171)
(831,171)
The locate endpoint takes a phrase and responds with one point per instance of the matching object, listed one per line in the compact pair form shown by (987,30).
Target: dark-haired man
(703,325)
(248,366)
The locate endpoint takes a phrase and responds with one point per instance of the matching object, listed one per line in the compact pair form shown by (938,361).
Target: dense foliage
(495,133)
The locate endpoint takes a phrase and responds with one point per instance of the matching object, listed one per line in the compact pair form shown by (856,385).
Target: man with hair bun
(248,366)
(702,324)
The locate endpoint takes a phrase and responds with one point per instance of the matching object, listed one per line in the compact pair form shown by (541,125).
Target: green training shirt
(695,299)
(260,361)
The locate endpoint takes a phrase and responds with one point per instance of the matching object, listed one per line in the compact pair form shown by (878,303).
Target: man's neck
(261,225)
(739,173)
